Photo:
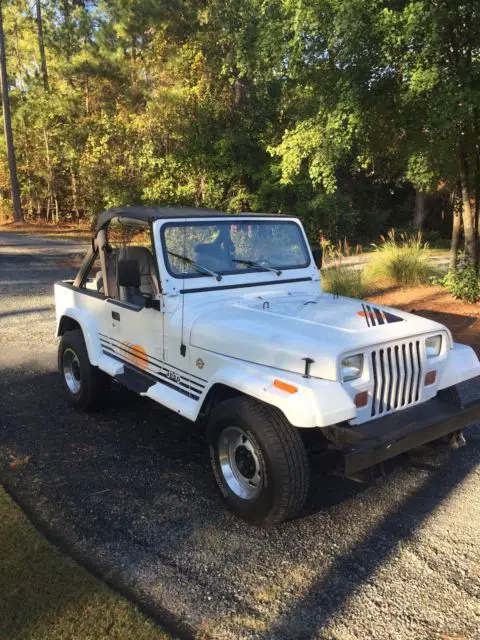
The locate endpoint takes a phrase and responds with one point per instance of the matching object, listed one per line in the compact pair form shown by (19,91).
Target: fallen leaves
(17,462)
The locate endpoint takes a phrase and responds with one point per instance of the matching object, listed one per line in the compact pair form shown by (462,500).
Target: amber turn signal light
(284,386)
(430,378)
(361,399)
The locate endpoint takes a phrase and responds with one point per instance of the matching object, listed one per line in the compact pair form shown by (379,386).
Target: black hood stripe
(365,314)
(379,316)
(390,317)
(375,317)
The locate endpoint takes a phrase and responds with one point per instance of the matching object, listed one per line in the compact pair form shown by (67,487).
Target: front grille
(397,377)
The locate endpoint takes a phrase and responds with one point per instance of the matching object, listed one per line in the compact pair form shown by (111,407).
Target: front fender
(316,403)
(462,364)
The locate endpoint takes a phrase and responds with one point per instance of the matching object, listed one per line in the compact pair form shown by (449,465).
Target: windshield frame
(231,220)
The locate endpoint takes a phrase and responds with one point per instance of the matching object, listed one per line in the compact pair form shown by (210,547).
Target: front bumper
(372,443)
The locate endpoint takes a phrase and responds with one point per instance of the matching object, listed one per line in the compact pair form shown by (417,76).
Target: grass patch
(47,596)
(404,261)
(344,281)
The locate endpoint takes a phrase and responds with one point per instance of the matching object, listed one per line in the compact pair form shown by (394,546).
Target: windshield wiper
(197,265)
(251,263)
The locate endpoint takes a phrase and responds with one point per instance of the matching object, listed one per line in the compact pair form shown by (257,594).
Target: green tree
(391,88)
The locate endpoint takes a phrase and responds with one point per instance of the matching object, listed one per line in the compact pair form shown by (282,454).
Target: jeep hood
(281,331)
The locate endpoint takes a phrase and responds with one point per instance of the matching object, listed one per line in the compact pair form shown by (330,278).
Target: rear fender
(89,330)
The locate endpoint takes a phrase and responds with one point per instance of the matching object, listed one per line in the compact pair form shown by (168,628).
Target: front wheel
(86,386)
(259,460)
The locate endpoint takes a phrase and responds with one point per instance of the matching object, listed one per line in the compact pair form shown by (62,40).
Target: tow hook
(457,440)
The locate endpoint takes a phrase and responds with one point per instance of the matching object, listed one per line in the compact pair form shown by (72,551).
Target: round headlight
(433,346)
(352,367)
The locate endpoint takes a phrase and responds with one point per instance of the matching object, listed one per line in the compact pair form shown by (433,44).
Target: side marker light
(284,386)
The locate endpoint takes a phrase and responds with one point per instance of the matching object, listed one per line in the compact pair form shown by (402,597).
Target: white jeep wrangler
(222,319)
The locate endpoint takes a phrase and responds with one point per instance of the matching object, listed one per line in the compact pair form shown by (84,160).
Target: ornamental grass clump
(402,261)
(343,281)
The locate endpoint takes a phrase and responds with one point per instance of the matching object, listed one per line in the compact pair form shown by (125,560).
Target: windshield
(229,247)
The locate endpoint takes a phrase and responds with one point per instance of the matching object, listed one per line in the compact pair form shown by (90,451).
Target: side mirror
(317,253)
(128,273)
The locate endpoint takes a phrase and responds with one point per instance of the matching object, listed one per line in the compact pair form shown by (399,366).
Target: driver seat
(148,279)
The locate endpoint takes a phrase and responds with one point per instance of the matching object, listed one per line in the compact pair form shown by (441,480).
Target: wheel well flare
(67,324)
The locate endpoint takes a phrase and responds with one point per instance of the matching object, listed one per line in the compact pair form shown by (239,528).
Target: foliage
(343,281)
(463,283)
(402,261)
(335,110)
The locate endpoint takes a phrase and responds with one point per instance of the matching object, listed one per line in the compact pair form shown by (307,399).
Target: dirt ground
(64,230)
(435,303)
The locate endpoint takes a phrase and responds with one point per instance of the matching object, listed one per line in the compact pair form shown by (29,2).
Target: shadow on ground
(22,312)
(313,612)
(130,489)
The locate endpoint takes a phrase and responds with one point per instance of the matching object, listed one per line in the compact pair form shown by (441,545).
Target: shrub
(463,283)
(404,261)
(343,281)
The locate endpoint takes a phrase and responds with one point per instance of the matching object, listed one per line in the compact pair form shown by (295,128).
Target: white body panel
(251,329)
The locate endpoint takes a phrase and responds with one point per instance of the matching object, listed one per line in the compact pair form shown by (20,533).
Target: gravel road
(130,489)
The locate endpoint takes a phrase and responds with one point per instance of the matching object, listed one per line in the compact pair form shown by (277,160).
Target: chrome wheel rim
(240,464)
(71,370)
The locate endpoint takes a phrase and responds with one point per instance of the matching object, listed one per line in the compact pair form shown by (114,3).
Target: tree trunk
(12,164)
(41,45)
(87,97)
(73,181)
(52,186)
(134,60)
(467,211)
(55,199)
(419,212)
(456,231)
(476,211)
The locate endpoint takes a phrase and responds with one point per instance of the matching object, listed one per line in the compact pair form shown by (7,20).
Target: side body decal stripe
(132,355)
(114,342)
(150,374)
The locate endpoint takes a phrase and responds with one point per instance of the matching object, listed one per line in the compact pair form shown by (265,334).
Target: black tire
(88,390)
(275,447)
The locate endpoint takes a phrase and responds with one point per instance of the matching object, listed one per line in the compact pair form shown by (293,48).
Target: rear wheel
(259,460)
(86,386)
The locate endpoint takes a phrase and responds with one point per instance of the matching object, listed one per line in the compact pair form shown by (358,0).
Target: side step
(135,380)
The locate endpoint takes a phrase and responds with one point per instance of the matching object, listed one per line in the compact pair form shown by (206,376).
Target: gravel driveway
(130,490)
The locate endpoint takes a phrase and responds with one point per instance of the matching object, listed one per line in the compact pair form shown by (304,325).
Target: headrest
(142,255)
(128,274)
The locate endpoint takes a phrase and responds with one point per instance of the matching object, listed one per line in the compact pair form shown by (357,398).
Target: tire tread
(96,382)
(288,449)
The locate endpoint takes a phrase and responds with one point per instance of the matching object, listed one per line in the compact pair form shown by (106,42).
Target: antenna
(183,348)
